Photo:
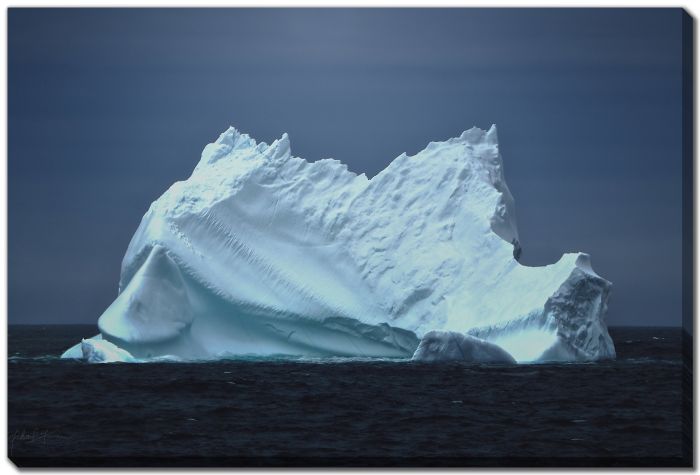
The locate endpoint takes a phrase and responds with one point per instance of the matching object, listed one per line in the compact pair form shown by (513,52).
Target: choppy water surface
(345,412)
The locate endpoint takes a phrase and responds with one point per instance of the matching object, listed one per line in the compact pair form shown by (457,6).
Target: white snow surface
(259,252)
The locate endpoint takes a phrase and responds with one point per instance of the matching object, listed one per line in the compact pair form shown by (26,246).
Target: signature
(34,436)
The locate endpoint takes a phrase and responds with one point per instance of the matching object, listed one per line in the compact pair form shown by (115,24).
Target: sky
(108,107)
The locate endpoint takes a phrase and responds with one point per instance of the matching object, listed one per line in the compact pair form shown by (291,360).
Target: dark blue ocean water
(624,412)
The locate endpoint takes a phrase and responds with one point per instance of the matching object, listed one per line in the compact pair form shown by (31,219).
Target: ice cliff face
(260,252)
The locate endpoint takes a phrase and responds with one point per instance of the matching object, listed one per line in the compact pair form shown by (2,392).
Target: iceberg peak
(235,139)
(475,135)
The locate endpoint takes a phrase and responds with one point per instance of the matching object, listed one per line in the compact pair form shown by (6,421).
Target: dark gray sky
(108,107)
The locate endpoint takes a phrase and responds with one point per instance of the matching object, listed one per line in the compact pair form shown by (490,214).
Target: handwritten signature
(34,436)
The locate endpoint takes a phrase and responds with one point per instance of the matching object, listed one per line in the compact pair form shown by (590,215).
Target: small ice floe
(103,351)
(453,346)
(98,350)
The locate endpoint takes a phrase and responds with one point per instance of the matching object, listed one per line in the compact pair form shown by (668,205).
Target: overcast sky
(108,107)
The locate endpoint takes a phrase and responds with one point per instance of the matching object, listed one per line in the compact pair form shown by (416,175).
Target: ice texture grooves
(260,252)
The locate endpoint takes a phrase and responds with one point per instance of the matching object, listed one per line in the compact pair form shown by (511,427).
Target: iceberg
(263,253)
(453,346)
(98,350)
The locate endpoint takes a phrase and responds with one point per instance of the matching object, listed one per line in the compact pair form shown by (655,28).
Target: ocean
(634,411)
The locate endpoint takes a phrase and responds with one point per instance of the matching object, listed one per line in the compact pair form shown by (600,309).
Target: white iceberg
(262,253)
(98,350)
